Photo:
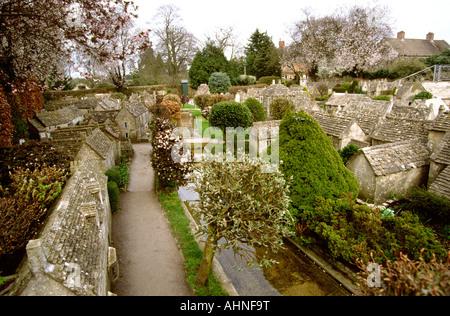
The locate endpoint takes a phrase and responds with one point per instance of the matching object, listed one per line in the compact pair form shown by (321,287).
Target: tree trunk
(207,260)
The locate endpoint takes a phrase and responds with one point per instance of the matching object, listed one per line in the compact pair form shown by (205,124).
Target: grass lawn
(191,251)
(200,119)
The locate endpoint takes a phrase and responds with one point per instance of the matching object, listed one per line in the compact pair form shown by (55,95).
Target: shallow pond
(295,275)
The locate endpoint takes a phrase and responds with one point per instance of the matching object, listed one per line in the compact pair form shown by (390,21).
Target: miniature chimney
(430,36)
(401,35)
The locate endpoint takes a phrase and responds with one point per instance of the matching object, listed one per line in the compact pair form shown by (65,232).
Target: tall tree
(150,68)
(206,62)
(174,42)
(262,56)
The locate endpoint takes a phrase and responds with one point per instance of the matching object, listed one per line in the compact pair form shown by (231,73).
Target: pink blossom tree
(349,40)
(39,35)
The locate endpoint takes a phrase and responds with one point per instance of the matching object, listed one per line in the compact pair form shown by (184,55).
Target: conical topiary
(307,154)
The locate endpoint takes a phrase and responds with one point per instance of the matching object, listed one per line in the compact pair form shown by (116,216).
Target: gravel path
(150,261)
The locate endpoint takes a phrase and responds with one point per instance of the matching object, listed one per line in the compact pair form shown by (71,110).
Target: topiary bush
(307,155)
(256,109)
(230,114)
(279,106)
(173,107)
(424,95)
(347,152)
(219,82)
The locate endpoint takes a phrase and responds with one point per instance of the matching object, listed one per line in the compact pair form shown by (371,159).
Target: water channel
(294,275)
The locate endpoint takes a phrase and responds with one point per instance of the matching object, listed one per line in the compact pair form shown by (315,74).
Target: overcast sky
(415,17)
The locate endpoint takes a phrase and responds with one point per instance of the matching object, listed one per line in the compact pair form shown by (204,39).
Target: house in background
(133,121)
(407,48)
(47,122)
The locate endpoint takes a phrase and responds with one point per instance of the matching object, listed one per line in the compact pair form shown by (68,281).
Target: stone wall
(72,254)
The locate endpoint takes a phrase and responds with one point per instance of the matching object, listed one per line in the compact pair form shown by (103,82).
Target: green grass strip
(192,254)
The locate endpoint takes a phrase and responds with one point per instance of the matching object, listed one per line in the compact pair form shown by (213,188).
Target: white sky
(415,17)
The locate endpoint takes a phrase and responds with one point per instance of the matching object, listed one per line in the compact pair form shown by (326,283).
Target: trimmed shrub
(405,67)
(268,80)
(172,97)
(113,175)
(279,107)
(382,98)
(173,107)
(219,82)
(247,80)
(113,192)
(424,95)
(230,114)
(347,152)
(256,109)
(204,101)
(307,155)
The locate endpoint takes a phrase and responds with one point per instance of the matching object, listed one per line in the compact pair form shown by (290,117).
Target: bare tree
(226,40)
(174,43)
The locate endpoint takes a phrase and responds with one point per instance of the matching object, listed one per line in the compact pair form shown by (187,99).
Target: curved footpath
(150,261)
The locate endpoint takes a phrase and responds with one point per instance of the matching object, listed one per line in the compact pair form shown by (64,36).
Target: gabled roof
(334,125)
(396,157)
(135,108)
(345,98)
(441,185)
(418,47)
(410,112)
(395,129)
(108,104)
(442,153)
(441,123)
(60,117)
(100,143)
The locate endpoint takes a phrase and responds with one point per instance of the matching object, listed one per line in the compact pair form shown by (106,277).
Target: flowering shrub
(169,171)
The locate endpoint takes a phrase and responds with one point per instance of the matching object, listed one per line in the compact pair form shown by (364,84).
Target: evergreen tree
(307,154)
(206,62)
(262,56)
(150,68)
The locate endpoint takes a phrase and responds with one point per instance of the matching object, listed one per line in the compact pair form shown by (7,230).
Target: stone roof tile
(395,157)
(100,143)
(333,125)
(441,185)
(395,129)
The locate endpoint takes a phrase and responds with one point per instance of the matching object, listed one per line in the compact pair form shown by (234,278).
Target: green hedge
(113,192)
